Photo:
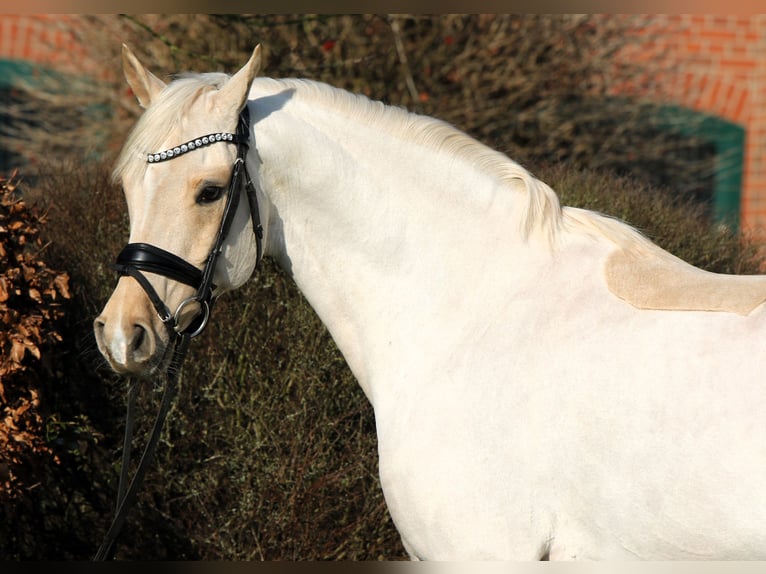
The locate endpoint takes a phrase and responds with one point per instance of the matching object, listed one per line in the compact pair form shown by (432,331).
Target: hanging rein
(138,258)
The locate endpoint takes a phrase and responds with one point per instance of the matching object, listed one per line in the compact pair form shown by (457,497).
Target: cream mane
(542,211)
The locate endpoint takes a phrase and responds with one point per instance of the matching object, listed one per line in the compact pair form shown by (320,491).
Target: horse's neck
(380,235)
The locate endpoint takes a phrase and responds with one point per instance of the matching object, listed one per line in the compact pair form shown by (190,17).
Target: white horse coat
(529,401)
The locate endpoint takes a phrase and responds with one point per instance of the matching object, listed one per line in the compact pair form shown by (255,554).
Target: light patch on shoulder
(650,279)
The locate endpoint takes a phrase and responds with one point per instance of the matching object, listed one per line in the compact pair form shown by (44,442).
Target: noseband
(137,258)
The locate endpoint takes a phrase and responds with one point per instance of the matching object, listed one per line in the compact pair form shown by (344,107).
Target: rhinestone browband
(189,146)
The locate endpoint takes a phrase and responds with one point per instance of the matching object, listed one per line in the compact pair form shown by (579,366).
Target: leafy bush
(31,296)
(37,446)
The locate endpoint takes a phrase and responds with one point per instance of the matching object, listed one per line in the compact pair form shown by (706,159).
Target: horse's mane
(542,212)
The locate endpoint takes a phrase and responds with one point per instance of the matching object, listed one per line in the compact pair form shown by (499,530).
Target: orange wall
(41,38)
(717,65)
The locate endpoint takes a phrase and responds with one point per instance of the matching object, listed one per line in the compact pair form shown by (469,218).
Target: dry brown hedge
(31,305)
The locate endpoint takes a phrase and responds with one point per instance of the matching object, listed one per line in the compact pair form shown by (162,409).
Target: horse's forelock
(161,118)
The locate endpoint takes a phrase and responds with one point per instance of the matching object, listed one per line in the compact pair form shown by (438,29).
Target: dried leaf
(17,351)
(62,284)
(32,348)
(29,272)
(34,294)
(17,413)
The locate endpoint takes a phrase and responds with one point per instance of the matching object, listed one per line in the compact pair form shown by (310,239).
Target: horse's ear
(234,93)
(144,84)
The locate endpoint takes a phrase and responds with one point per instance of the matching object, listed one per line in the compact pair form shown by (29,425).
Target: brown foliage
(31,297)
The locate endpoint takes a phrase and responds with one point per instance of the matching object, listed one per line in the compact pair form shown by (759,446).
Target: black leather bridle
(138,258)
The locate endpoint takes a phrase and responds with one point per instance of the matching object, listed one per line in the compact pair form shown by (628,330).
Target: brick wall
(717,65)
(42,39)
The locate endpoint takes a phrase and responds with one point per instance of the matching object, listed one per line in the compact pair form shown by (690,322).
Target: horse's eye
(210,194)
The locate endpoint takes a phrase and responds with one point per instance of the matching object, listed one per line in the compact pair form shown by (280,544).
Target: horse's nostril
(138,338)
(98,330)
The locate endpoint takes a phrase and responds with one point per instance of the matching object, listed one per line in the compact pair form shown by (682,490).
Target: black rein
(139,258)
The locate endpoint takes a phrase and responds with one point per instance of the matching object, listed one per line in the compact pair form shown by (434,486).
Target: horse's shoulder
(655,279)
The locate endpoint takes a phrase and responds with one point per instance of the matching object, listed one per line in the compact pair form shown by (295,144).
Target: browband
(192,145)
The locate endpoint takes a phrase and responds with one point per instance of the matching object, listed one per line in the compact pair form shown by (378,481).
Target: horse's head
(176,204)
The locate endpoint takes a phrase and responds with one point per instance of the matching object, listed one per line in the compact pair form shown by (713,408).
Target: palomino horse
(545,380)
